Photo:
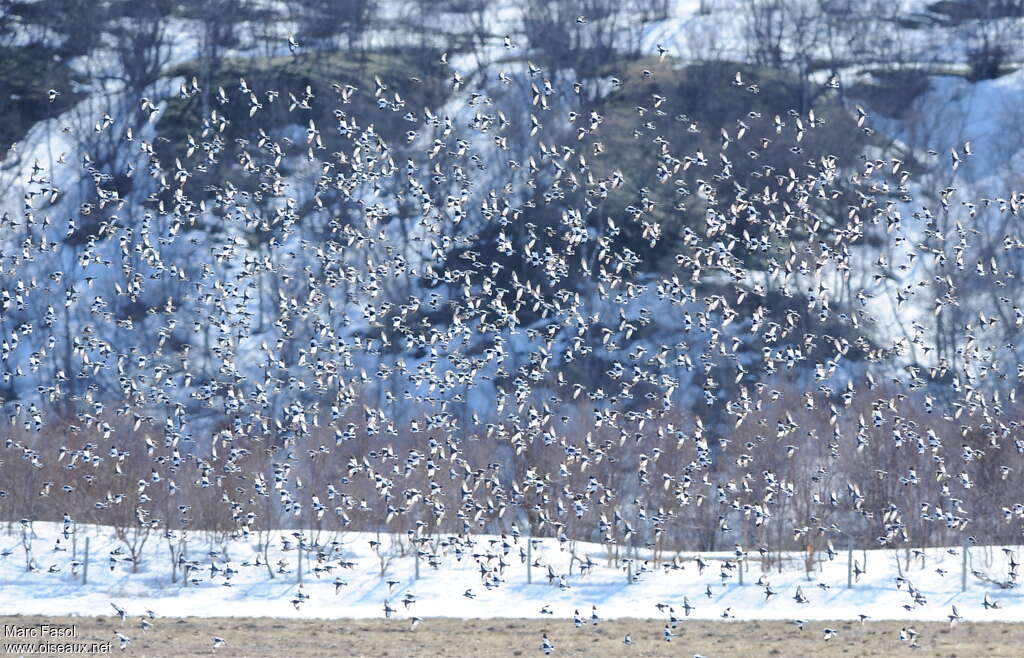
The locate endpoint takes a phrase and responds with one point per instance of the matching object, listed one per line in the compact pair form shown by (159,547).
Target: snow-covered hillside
(350,583)
(719,271)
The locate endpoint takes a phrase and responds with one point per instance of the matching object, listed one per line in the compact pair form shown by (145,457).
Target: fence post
(182,556)
(963,572)
(529,561)
(849,562)
(85,563)
(740,567)
(299,570)
(629,572)
(417,564)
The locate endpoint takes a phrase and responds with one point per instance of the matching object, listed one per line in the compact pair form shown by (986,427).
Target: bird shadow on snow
(263,590)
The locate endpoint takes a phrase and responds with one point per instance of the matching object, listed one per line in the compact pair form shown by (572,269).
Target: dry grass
(520,637)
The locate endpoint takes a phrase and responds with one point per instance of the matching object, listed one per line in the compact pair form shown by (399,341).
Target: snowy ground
(55,590)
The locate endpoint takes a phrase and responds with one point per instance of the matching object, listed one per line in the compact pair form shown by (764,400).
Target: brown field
(520,637)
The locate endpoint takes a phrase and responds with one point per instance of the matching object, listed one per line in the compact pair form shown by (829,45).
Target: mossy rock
(412,74)
(416,76)
(891,93)
(705,94)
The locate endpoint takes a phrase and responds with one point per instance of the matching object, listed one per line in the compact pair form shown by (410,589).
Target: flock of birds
(450,150)
(497,552)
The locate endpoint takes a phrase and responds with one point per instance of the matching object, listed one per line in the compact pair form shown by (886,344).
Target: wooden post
(629,572)
(85,563)
(739,566)
(417,564)
(299,570)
